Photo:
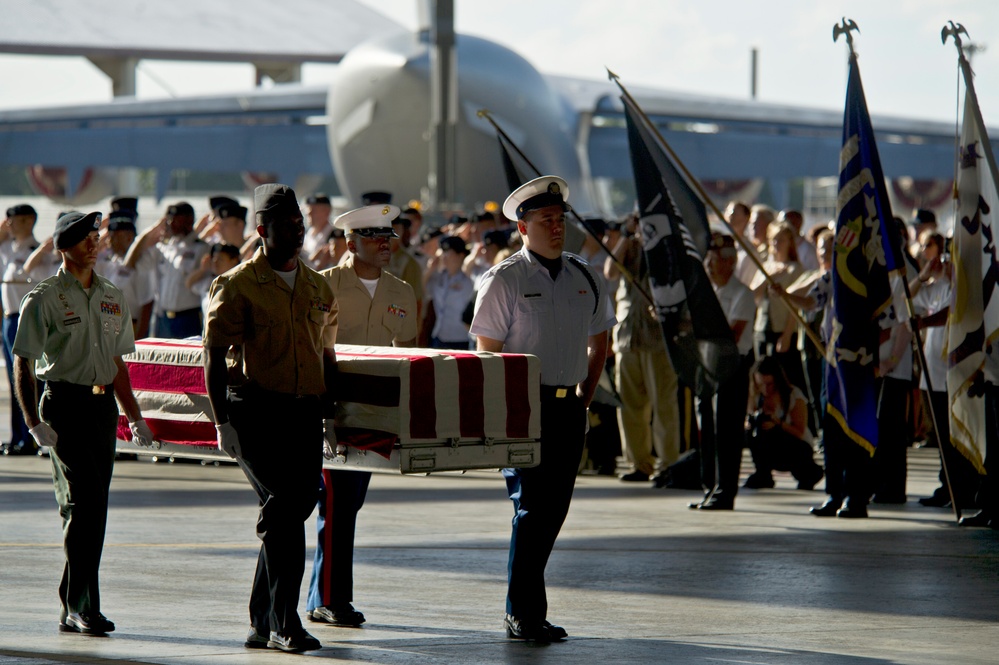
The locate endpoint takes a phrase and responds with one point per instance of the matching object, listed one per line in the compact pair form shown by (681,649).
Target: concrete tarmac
(636,577)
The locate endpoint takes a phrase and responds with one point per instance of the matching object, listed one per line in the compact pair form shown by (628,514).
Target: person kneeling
(779,429)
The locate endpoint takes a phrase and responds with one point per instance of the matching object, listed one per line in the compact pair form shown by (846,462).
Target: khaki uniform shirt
(388,317)
(279,332)
(71,335)
(405,267)
(637,328)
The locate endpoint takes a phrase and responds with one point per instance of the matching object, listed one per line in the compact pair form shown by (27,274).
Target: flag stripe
(518,404)
(167,378)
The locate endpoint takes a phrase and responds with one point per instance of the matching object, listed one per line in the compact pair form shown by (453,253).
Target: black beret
(231,211)
(275,198)
(216,202)
(125,203)
(924,216)
(318,198)
(429,233)
(454,243)
(223,248)
(73,227)
(22,209)
(122,220)
(376,198)
(183,208)
(496,237)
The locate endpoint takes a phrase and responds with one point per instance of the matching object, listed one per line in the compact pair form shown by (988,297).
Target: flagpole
(751,251)
(640,288)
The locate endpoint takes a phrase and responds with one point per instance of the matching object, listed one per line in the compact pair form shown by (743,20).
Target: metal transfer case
(401,410)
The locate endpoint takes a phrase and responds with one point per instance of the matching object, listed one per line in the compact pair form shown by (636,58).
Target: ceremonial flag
(514,176)
(974,312)
(867,249)
(698,337)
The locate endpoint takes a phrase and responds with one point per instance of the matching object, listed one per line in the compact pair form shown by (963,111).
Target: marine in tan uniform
(377,309)
(280,317)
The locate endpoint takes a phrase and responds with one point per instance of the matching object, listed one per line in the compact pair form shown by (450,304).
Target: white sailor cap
(369,221)
(541,192)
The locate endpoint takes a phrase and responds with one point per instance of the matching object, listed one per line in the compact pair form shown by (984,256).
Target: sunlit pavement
(636,576)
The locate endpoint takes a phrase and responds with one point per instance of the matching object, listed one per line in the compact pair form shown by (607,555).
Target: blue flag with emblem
(867,250)
(698,337)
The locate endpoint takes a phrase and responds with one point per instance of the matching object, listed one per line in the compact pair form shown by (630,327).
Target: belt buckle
(171,315)
(98,390)
(561,392)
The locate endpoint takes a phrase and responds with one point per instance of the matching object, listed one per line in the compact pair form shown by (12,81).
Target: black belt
(12,316)
(557,392)
(255,391)
(183,312)
(82,389)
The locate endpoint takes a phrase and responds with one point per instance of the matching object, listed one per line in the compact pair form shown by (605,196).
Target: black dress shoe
(337,615)
(86,623)
(981,519)
(556,632)
(720,500)
(635,477)
(852,511)
(293,643)
(936,500)
(808,482)
(827,509)
(663,479)
(532,631)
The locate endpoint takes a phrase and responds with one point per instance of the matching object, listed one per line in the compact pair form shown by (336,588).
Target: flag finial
(954,30)
(845,28)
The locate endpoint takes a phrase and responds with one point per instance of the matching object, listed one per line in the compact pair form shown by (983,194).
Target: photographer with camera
(779,436)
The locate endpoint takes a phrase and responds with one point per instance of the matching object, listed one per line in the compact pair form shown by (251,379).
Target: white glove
(44,435)
(329,440)
(141,434)
(228,440)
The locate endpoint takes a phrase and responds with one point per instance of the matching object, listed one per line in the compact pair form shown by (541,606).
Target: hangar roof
(219,30)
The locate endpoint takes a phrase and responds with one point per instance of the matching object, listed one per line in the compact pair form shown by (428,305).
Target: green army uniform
(73,337)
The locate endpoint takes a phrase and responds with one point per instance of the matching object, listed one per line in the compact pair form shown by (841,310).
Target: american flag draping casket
(404,410)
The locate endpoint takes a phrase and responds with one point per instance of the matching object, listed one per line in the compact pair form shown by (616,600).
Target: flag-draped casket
(407,410)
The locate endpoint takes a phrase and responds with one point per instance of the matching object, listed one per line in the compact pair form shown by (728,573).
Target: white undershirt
(370,285)
(288,277)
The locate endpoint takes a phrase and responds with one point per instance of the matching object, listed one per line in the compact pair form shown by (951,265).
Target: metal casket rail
(402,410)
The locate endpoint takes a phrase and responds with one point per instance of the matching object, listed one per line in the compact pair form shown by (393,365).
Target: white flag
(973,323)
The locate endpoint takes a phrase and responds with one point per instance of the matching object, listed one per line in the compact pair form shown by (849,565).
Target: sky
(698,47)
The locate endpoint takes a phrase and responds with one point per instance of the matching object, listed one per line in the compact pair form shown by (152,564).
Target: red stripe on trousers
(328,572)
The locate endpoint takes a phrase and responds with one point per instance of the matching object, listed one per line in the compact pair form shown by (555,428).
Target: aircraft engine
(379,108)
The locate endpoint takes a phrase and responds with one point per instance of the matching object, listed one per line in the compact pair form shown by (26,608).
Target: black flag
(698,337)
(514,176)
